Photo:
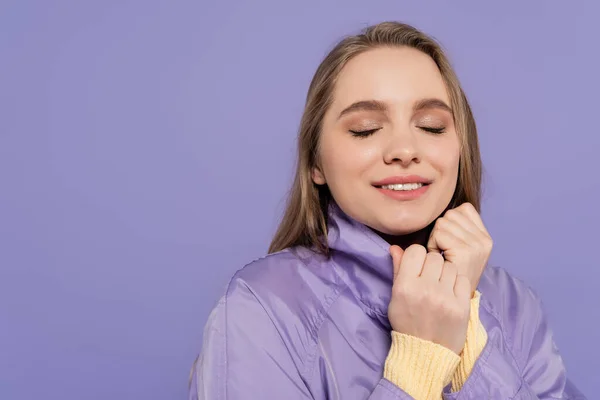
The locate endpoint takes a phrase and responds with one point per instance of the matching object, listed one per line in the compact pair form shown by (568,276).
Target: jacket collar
(364,260)
(362,257)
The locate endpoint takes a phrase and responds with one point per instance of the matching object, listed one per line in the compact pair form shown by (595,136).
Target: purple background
(146,147)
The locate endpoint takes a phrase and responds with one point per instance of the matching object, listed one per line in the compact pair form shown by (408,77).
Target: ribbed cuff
(419,367)
(476,341)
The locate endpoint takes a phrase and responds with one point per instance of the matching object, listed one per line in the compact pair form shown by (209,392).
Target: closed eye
(433,130)
(365,133)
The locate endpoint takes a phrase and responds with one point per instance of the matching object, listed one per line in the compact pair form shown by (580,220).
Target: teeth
(403,186)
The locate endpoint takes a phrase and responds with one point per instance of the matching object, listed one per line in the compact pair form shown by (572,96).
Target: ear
(317,176)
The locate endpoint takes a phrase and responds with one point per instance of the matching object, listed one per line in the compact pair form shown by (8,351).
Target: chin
(402,231)
(400,227)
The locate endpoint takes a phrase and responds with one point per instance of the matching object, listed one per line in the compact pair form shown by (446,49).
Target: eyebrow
(375,105)
(432,103)
(364,105)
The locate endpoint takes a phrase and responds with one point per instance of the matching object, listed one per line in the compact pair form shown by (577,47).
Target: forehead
(396,75)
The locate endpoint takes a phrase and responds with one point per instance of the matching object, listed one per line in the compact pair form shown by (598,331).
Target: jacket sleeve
(539,370)
(543,371)
(242,355)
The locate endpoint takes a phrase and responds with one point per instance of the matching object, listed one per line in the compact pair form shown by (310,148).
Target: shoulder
(265,316)
(294,277)
(287,291)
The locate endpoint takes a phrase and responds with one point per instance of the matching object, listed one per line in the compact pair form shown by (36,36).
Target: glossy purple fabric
(295,325)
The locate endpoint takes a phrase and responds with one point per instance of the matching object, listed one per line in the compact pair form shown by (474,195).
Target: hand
(430,300)
(466,244)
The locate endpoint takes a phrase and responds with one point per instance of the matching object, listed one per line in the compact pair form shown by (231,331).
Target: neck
(420,237)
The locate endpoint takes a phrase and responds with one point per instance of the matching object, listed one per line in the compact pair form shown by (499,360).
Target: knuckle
(435,258)
(408,291)
(486,244)
(450,269)
(426,296)
(417,249)
(463,283)
(441,222)
(468,205)
(451,213)
(400,290)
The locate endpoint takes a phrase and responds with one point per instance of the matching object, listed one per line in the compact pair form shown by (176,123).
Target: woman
(376,284)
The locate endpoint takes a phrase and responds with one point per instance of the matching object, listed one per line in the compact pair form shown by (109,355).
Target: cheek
(348,157)
(445,158)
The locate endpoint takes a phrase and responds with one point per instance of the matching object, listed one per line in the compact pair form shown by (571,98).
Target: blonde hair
(304,222)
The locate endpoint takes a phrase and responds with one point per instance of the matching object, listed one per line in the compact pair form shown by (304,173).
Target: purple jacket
(295,325)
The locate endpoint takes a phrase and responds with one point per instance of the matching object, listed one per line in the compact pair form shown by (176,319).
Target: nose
(401,148)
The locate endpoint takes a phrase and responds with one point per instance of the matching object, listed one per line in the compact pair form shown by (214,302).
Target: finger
(412,262)
(448,278)
(441,239)
(462,288)
(433,244)
(457,229)
(432,267)
(464,220)
(469,210)
(397,253)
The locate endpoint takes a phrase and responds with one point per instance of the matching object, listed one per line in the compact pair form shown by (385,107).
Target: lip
(404,194)
(402,179)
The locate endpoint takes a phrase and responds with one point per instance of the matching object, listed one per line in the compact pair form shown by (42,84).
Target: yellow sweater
(423,368)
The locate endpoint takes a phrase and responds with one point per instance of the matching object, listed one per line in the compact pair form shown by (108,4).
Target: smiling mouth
(402,186)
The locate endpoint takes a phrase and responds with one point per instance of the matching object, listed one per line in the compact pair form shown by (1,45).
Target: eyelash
(363,134)
(436,131)
(369,132)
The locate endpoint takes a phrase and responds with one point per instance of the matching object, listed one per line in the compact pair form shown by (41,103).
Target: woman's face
(397,98)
